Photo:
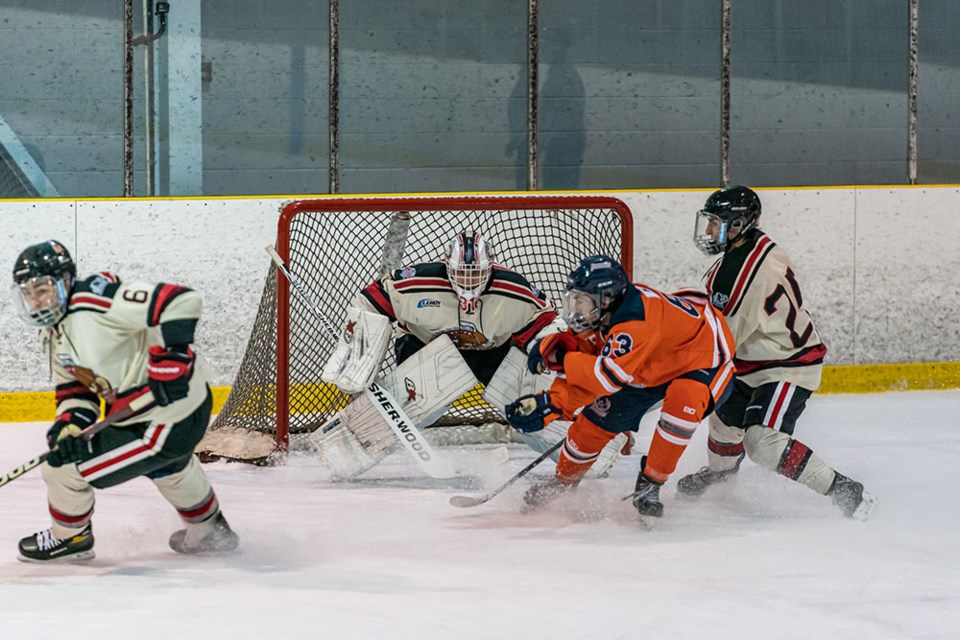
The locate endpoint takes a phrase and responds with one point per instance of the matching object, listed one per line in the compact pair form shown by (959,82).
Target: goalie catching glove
(168,373)
(532,413)
(548,352)
(66,447)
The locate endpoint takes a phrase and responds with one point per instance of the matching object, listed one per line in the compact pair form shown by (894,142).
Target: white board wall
(880,267)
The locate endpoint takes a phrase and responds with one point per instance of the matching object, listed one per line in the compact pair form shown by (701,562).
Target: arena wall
(878,267)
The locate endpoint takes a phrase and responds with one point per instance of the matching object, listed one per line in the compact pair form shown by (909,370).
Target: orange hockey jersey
(653,339)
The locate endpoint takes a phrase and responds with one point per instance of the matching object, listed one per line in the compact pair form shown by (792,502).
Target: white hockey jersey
(99,350)
(423,303)
(755,287)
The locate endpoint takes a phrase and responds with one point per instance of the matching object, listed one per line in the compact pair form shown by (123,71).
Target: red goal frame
(412,204)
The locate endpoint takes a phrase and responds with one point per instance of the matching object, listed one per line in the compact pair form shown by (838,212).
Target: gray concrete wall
(432,94)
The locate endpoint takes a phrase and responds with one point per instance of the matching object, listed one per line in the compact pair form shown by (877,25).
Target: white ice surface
(757,557)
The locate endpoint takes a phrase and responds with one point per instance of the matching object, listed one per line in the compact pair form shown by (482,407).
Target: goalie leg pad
(514,380)
(427,382)
(360,351)
(357,438)
(354,440)
(608,457)
(542,440)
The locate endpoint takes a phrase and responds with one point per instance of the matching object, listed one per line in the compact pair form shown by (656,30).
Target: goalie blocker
(360,350)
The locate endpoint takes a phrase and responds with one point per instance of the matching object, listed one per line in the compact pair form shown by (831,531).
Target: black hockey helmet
(42,277)
(48,258)
(734,209)
(594,287)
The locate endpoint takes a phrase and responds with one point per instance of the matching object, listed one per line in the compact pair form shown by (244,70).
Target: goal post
(336,246)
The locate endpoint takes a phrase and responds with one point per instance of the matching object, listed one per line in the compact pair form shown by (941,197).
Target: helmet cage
(728,214)
(595,285)
(582,310)
(710,232)
(469,260)
(42,300)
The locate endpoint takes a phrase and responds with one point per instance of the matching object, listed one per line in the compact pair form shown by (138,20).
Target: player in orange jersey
(627,348)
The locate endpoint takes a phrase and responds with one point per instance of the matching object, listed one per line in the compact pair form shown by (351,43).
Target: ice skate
(544,492)
(213,536)
(646,497)
(694,485)
(646,494)
(849,495)
(43,546)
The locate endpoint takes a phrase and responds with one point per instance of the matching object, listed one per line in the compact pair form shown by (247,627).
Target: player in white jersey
(477,315)
(115,342)
(482,307)
(779,356)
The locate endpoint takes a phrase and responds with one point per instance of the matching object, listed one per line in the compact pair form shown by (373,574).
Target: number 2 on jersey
(770,306)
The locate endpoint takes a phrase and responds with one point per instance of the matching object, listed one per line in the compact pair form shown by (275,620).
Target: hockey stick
(473,501)
(141,403)
(389,409)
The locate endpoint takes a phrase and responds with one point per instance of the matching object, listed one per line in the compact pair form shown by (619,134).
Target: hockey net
(335,248)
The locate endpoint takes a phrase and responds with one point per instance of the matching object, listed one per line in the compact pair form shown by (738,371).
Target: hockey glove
(168,374)
(548,352)
(531,413)
(66,446)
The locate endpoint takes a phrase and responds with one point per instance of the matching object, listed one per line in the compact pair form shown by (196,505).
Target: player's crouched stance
(100,334)
(779,356)
(461,321)
(628,348)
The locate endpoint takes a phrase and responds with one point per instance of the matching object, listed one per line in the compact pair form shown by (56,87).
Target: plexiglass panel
(425,94)
(938,144)
(629,94)
(433,96)
(818,92)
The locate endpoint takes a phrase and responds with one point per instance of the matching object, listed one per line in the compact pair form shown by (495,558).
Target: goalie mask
(593,289)
(42,278)
(469,260)
(727,215)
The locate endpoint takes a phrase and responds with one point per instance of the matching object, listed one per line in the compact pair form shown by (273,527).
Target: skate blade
(74,557)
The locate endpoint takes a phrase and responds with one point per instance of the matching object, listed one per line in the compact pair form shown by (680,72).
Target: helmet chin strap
(732,243)
(606,314)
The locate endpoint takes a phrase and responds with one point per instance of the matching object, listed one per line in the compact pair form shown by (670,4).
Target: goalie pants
(482,362)
(759,421)
(686,401)
(161,452)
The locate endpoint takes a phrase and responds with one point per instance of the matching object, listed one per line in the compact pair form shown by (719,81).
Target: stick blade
(465,501)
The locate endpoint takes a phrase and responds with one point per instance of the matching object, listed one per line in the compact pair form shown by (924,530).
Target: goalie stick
(474,501)
(143,402)
(389,409)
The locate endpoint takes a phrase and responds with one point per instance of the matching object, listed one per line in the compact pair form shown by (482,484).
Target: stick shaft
(470,501)
(301,291)
(139,404)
